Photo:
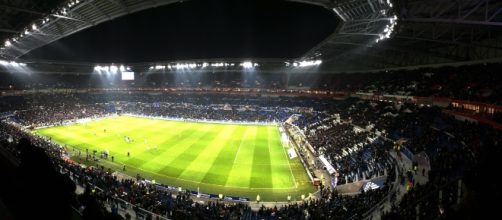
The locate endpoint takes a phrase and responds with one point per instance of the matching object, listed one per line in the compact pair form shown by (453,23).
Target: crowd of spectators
(180,205)
(355,154)
(454,150)
(146,196)
(354,135)
(480,82)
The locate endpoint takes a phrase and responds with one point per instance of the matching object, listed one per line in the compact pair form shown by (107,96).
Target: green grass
(234,160)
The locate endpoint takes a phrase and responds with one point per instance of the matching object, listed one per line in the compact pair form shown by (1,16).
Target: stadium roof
(419,32)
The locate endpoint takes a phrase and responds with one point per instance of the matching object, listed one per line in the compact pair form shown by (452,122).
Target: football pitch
(228,159)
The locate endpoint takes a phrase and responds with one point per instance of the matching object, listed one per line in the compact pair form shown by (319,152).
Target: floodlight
(113,68)
(247,64)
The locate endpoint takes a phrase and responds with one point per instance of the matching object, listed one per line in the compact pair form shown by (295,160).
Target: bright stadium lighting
(158,67)
(308,63)
(7,43)
(247,64)
(192,65)
(205,64)
(114,69)
(26,32)
(122,68)
(4,62)
(97,68)
(34,27)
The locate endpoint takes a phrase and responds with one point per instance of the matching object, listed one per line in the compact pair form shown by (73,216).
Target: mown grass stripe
(240,174)
(179,145)
(176,167)
(170,137)
(261,174)
(200,166)
(222,165)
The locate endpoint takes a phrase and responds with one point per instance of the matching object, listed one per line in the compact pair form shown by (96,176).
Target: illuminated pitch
(234,160)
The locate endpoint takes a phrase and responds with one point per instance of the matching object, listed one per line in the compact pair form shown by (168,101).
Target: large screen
(127,75)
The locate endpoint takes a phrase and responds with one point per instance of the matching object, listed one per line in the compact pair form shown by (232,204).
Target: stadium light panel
(34,27)
(308,63)
(7,43)
(247,64)
(113,69)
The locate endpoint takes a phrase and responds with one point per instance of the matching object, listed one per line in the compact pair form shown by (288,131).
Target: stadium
(242,109)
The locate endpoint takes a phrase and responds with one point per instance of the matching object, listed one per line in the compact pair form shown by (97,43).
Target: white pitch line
(238,150)
(192,181)
(287,158)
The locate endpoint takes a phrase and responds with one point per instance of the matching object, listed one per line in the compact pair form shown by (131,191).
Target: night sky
(199,30)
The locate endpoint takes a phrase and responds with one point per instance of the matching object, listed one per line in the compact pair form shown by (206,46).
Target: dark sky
(199,29)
